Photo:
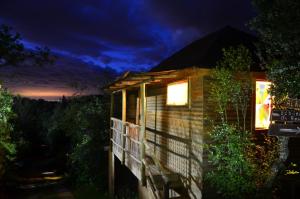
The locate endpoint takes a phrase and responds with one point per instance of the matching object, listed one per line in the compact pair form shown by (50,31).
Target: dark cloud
(204,15)
(122,34)
(52,82)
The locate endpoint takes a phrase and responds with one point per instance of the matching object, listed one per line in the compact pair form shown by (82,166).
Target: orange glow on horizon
(43,93)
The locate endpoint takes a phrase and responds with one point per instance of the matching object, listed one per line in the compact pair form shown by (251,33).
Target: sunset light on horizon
(42,93)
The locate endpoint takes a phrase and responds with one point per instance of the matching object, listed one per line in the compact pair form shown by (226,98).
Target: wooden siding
(131,106)
(174,133)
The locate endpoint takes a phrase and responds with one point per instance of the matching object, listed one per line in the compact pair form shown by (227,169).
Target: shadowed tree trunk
(283,155)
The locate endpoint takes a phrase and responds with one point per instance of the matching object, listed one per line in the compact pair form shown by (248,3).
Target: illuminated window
(177,93)
(262,105)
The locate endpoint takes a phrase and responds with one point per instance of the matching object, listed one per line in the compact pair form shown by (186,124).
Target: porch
(126,145)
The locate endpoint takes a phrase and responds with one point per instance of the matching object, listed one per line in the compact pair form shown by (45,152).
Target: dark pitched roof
(207,51)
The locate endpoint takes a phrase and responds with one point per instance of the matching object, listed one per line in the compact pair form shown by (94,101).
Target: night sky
(120,34)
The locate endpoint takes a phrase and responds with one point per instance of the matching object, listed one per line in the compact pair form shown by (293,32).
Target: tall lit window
(262,105)
(177,93)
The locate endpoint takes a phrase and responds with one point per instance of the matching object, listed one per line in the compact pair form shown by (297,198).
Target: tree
(232,171)
(232,84)
(239,166)
(84,122)
(13,52)
(278,27)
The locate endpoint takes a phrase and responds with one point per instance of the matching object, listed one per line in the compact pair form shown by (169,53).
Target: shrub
(264,155)
(7,148)
(84,122)
(232,173)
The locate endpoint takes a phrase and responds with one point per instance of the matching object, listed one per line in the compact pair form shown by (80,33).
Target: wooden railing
(126,141)
(132,144)
(117,137)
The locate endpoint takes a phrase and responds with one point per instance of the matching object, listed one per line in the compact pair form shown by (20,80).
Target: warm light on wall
(177,93)
(262,105)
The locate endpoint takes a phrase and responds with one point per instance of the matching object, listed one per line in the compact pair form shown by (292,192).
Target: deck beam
(111,156)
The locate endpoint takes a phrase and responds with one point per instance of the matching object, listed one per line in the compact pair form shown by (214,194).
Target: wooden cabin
(159,118)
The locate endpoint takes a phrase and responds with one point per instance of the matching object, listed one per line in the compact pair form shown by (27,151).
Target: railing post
(123,124)
(124,142)
(143,130)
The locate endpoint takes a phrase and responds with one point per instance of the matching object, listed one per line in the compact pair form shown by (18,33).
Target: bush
(7,148)
(232,173)
(264,155)
(84,122)
(31,123)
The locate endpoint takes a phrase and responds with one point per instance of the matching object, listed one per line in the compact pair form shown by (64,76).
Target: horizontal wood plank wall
(174,133)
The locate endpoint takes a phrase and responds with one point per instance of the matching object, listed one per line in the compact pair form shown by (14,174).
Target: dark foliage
(75,131)
(278,26)
(239,166)
(7,148)
(31,123)
(83,123)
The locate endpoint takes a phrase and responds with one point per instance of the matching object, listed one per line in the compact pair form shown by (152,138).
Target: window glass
(262,105)
(177,93)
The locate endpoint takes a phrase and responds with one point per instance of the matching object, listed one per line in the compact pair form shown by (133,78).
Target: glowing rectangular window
(262,105)
(177,93)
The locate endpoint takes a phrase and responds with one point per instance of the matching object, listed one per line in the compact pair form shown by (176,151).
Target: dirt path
(37,177)
(53,192)
(46,185)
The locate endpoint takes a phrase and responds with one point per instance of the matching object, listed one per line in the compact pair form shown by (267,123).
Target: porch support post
(111,156)
(124,105)
(123,125)
(111,173)
(143,130)
(111,115)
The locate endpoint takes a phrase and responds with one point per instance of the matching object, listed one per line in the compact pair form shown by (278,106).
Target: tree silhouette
(278,26)
(13,52)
